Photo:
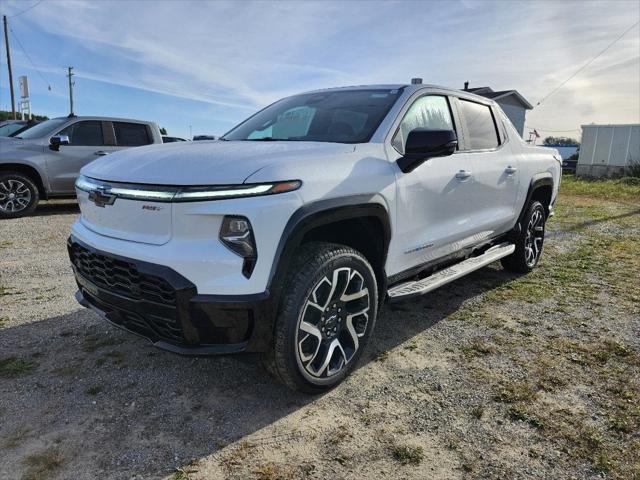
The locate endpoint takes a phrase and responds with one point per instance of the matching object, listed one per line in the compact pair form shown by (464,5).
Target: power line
(26,9)
(28,57)
(587,64)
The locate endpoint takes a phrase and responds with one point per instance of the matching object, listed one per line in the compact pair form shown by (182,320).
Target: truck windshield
(342,116)
(43,129)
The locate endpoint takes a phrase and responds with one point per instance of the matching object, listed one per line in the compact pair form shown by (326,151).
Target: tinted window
(87,133)
(431,112)
(480,126)
(343,116)
(131,134)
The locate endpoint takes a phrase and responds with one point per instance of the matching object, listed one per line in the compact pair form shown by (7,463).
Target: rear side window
(431,112)
(84,134)
(131,134)
(481,128)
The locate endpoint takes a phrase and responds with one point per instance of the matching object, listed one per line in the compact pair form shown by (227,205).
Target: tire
(326,316)
(529,241)
(19,195)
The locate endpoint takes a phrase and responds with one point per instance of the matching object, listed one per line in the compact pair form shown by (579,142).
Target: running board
(420,287)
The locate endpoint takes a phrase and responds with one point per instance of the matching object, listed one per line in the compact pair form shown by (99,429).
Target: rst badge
(153,208)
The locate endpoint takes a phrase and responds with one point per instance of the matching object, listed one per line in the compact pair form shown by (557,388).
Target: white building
(607,150)
(513,104)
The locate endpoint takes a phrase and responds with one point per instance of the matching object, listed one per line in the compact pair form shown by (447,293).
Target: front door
(86,143)
(433,216)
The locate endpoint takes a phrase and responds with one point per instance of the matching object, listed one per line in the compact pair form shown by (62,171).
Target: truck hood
(204,162)
(12,144)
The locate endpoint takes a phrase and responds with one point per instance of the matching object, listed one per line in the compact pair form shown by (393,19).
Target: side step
(420,287)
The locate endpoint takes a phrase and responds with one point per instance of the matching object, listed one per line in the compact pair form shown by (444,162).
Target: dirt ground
(493,376)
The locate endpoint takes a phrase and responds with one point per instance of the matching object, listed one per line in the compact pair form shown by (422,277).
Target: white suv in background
(286,236)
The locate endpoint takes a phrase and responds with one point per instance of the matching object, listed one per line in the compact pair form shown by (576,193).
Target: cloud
(238,56)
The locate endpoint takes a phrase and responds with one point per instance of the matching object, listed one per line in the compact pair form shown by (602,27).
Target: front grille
(121,277)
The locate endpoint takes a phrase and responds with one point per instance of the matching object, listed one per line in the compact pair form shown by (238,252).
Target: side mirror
(55,142)
(423,144)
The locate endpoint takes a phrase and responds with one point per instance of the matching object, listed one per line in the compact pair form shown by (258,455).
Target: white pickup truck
(287,235)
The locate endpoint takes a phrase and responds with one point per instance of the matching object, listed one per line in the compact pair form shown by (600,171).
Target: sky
(201,67)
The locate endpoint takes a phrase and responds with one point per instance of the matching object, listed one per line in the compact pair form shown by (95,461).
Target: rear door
(494,166)
(88,140)
(131,134)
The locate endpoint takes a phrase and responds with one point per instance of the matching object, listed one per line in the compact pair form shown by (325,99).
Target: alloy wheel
(534,238)
(332,321)
(15,195)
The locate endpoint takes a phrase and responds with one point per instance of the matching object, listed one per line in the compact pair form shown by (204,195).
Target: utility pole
(6,42)
(71,84)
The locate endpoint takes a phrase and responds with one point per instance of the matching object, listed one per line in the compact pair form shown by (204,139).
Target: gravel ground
(493,376)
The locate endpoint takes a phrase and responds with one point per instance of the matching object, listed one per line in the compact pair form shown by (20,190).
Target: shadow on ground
(116,407)
(56,207)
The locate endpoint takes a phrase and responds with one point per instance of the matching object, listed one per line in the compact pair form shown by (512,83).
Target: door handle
(463,174)
(100,153)
(510,170)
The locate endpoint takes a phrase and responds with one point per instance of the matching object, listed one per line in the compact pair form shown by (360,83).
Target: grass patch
(272,471)
(94,342)
(16,437)
(12,367)
(95,390)
(520,413)
(478,347)
(43,464)
(608,189)
(518,391)
(408,454)
(236,456)
(183,473)
(3,321)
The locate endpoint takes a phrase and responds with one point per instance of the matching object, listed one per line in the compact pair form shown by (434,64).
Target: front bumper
(157,303)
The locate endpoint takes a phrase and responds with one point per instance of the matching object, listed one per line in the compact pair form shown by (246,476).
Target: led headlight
(236,234)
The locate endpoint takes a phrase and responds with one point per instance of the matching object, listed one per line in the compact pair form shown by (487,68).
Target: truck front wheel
(327,314)
(18,195)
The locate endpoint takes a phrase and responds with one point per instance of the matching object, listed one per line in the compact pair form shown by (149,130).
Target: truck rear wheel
(18,195)
(528,242)
(327,314)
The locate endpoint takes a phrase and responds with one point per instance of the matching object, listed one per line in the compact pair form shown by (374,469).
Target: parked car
(286,236)
(203,137)
(168,139)
(569,165)
(44,161)
(11,128)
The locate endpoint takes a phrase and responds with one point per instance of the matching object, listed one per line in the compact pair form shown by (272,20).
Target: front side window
(84,134)
(342,116)
(481,128)
(43,129)
(430,112)
(131,134)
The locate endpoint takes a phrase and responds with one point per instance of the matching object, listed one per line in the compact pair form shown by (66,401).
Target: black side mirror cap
(55,142)
(423,144)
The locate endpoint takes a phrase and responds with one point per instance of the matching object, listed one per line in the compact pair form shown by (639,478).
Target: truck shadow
(56,207)
(118,407)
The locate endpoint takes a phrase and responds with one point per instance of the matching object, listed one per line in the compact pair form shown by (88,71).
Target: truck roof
(110,119)
(409,88)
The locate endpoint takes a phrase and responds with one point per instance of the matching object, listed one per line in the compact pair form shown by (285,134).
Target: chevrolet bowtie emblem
(101,198)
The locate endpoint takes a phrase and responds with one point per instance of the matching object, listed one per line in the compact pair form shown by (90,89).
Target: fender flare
(324,212)
(538,180)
